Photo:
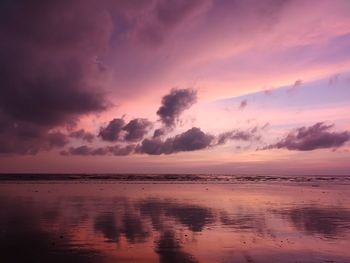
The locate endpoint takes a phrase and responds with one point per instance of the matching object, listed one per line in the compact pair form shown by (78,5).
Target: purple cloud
(317,136)
(173,104)
(82,135)
(243,104)
(112,132)
(27,138)
(237,135)
(159,132)
(136,129)
(47,60)
(191,140)
(47,75)
(296,84)
(333,80)
(167,15)
(117,130)
(85,150)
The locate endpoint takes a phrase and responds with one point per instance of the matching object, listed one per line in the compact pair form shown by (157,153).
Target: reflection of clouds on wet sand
(244,221)
(330,222)
(123,227)
(23,239)
(106,224)
(169,250)
(194,217)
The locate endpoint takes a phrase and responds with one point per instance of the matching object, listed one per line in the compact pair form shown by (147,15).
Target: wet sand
(253,220)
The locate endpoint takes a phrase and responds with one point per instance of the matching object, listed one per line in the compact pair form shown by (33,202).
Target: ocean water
(174,218)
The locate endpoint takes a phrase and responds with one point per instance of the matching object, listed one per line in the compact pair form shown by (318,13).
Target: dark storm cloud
(191,140)
(311,138)
(47,52)
(82,135)
(136,129)
(48,77)
(112,132)
(174,104)
(18,137)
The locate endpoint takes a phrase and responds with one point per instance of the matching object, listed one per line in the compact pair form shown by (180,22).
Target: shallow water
(184,222)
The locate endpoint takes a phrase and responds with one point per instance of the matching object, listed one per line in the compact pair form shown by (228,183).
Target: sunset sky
(175,86)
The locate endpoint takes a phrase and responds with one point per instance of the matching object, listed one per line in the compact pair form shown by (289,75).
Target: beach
(175,221)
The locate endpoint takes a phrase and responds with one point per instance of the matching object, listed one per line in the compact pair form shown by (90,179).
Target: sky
(175,86)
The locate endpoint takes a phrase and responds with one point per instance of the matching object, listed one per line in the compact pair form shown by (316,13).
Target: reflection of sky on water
(198,223)
(329,222)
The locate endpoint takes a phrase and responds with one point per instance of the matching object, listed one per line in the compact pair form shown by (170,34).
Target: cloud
(333,80)
(18,137)
(136,129)
(164,18)
(317,136)
(82,135)
(243,104)
(237,135)
(112,132)
(268,91)
(296,84)
(47,60)
(159,132)
(173,105)
(57,139)
(122,150)
(84,150)
(117,130)
(23,142)
(48,77)
(191,140)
